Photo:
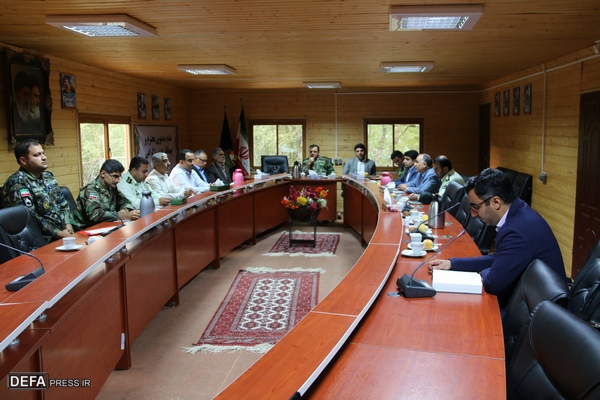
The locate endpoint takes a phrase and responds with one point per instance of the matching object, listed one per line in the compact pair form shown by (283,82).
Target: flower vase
(303,214)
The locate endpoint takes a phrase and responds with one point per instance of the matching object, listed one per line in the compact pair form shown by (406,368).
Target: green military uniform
(321,166)
(43,199)
(96,203)
(132,190)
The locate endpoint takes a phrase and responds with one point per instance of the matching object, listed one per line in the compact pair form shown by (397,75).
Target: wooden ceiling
(277,44)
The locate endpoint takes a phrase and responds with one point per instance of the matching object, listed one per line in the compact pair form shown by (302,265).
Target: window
(102,138)
(277,137)
(386,135)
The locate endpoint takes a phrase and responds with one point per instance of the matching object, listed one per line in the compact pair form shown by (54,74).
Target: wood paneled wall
(516,140)
(98,92)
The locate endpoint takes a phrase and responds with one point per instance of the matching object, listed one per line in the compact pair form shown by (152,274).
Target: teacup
(414,213)
(416,237)
(69,243)
(417,248)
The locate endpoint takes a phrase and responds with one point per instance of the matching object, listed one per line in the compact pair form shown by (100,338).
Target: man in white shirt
(183,174)
(133,183)
(159,181)
(360,164)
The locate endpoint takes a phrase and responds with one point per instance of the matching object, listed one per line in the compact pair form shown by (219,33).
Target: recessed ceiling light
(393,67)
(453,17)
(207,69)
(322,85)
(102,25)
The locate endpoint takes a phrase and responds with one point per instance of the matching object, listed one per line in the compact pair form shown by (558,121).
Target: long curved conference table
(358,342)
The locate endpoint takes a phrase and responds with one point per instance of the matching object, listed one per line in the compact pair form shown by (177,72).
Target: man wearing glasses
(200,160)
(523,236)
(101,200)
(183,174)
(218,169)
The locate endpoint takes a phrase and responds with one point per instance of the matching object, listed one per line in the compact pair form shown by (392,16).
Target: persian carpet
(326,245)
(261,306)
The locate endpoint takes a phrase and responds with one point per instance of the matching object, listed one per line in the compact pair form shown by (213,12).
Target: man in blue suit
(408,163)
(523,236)
(360,164)
(426,180)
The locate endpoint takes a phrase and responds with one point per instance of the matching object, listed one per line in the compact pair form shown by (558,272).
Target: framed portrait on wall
(67,91)
(168,110)
(506,103)
(516,100)
(497,104)
(155,107)
(527,99)
(30,101)
(141,105)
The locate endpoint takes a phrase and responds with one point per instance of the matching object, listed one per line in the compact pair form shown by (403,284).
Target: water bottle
(436,221)
(238,178)
(146,203)
(385,178)
(296,170)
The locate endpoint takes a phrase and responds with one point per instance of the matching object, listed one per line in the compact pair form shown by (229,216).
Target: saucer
(427,232)
(62,248)
(434,248)
(409,253)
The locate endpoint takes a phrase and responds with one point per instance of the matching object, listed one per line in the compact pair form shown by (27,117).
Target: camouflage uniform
(321,165)
(96,203)
(43,199)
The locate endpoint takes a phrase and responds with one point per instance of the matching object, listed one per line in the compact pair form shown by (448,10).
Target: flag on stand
(243,152)
(226,143)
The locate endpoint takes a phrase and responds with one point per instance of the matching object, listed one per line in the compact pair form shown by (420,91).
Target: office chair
(538,283)
(523,186)
(463,211)
(558,357)
(18,229)
(511,173)
(453,194)
(585,292)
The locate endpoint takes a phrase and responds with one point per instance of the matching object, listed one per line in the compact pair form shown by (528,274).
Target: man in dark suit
(360,164)
(200,160)
(523,236)
(218,169)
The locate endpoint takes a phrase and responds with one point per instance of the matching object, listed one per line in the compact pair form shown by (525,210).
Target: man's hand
(129,214)
(413,196)
(439,264)
(188,192)
(164,201)
(402,186)
(311,160)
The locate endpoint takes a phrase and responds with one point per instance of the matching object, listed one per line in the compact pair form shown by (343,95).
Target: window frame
(277,122)
(394,121)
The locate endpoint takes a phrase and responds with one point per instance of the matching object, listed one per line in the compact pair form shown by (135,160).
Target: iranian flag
(243,152)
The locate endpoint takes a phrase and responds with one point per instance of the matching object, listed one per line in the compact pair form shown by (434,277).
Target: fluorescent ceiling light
(391,67)
(404,18)
(322,85)
(102,25)
(207,69)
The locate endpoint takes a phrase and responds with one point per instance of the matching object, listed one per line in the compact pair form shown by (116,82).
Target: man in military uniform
(321,165)
(38,190)
(101,200)
(133,183)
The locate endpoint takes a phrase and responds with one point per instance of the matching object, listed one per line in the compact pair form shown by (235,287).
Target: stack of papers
(457,281)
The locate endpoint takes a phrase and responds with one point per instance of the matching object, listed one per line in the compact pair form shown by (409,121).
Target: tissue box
(215,188)
(178,202)
(261,176)
(456,281)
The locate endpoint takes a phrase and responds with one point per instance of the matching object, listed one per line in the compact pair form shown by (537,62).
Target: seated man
(523,236)
(200,160)
(133,183)
(183,174)
(398,159)
(321,165)
(218,169)
(38,190)
(100,200)
(159,182)
(360,164)
(410,172)
(443,169)
(426,180)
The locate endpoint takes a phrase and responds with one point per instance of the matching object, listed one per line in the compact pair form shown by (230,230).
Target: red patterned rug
(262,305)
(326,245)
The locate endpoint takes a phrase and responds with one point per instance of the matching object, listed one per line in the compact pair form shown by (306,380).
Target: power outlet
(543,177)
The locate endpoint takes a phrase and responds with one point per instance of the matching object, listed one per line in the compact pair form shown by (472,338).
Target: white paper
(457,281)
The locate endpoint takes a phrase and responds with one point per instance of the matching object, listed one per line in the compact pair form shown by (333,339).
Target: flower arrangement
(306,198)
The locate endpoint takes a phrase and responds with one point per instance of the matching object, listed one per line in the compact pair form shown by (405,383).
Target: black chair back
(511,173)
(538,283)
(464,210)
(523,186)
(453,194)
(559,357)
(585,293)
(18,229)
(69,196)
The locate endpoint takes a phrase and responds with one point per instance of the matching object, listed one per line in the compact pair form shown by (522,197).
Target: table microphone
(23,280)
(411,287)
(113,229)
(425,235)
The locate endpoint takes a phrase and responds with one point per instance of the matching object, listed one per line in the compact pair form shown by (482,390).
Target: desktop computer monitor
(274,164)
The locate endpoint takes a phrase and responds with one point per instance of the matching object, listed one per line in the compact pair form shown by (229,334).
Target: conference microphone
(425,235)
(411,287)
(115,228)
(23,280)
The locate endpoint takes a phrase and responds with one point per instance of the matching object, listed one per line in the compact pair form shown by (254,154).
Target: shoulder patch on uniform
(93,196)
(129,180)
(24,192)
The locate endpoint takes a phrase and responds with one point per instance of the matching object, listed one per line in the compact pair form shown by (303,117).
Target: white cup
(417,221)
(302,175)
(401,205)
(417,248)
(69,243)
(93,239)
(414,213)
(415,237)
